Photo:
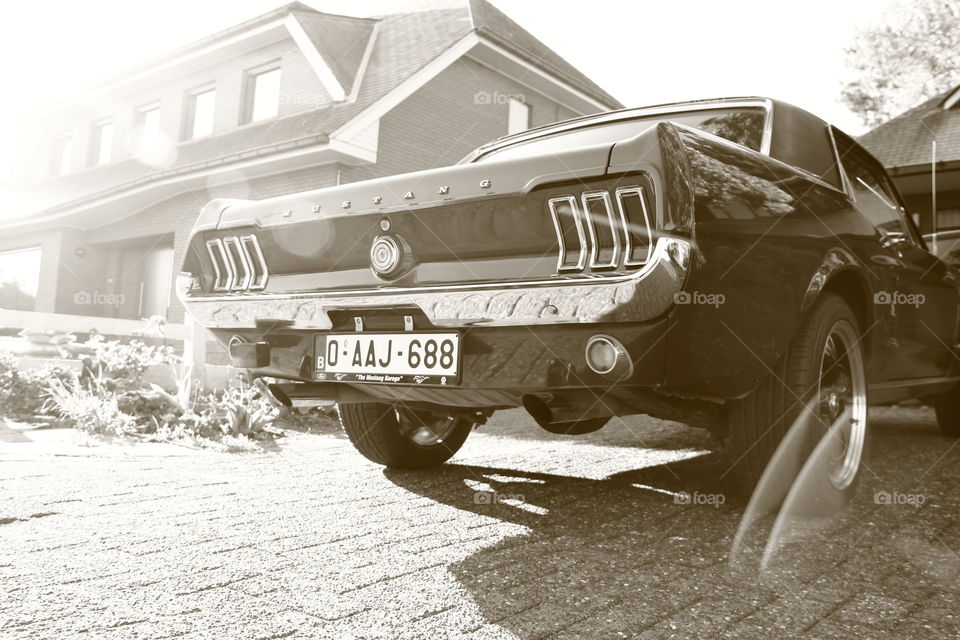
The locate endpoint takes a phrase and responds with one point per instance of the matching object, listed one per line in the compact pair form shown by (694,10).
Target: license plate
(388,358)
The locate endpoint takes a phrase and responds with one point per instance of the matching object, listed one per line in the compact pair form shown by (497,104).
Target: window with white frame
(101,151)
(62,154)
(148,118)
(262,94)
(199,113)
(518,116)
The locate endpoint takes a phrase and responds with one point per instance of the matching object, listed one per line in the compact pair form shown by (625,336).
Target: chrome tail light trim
(562,262)
(238,263)
(612,238)
(632,228)
(601,231)
(224,269)
(251,246)
(234,250)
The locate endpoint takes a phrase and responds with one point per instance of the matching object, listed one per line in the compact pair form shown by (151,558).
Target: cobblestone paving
(584,539)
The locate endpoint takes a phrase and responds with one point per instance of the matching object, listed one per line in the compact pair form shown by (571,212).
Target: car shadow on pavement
(644,551)
(579,546)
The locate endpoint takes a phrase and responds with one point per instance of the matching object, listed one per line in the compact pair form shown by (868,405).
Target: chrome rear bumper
(640,296)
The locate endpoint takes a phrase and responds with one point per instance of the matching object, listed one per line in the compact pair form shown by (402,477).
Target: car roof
(621,114)
(791,134)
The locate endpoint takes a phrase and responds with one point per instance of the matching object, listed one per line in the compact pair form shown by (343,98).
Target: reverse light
(606,355)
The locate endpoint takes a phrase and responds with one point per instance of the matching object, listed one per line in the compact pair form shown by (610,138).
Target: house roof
(494,24)
(906,139)
(340,40)
(369,56)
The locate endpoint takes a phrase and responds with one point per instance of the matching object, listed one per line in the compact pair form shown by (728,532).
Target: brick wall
(463,107)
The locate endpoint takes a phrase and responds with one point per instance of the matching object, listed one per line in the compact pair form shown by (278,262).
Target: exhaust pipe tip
(279,395)
(538,409)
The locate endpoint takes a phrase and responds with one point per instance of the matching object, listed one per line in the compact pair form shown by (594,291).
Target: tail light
(238,263)
(603,230)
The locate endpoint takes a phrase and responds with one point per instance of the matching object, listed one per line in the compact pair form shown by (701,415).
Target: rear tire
(759,422)
(397,436)
(947,407)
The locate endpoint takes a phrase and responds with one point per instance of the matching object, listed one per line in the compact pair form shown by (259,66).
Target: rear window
(743,125)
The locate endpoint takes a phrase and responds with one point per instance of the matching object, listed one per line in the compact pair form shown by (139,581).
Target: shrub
(110,398)
(23,393)
(89,407)
(122,365)
(150,408)
(237,411)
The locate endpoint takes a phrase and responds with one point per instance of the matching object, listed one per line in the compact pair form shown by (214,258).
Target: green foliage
(911,55)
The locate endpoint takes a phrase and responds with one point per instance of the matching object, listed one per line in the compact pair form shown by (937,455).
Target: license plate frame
(345,369)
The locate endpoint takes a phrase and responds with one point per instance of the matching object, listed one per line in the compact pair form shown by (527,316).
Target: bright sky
(642,52)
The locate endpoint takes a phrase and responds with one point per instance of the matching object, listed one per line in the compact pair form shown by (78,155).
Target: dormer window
(262,93)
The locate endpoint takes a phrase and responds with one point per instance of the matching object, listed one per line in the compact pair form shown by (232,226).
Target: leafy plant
(110,398)
(22,392)
(89,407)
(122,365)
(237,411)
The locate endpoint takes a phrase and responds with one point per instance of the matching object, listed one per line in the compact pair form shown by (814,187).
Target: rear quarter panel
(763,234)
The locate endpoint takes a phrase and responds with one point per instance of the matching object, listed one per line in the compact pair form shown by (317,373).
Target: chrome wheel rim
(423,428)
(842,395)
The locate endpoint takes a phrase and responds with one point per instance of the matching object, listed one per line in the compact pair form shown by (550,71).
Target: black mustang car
(722,263)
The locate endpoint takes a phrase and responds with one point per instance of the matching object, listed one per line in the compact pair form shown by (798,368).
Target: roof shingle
(906,139)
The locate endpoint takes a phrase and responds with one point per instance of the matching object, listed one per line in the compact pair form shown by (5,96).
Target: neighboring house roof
(370,58)
(906,139)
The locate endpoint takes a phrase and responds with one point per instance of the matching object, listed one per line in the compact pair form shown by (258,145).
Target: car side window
(873,196)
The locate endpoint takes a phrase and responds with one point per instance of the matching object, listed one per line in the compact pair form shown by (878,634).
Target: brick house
(294,99)
(904,145)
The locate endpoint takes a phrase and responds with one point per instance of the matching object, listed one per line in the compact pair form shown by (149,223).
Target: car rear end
(471,285)
(542,270)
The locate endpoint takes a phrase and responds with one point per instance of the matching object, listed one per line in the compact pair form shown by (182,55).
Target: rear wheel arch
(852,287)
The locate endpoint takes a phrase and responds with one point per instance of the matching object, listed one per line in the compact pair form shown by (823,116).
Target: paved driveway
(523,534)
